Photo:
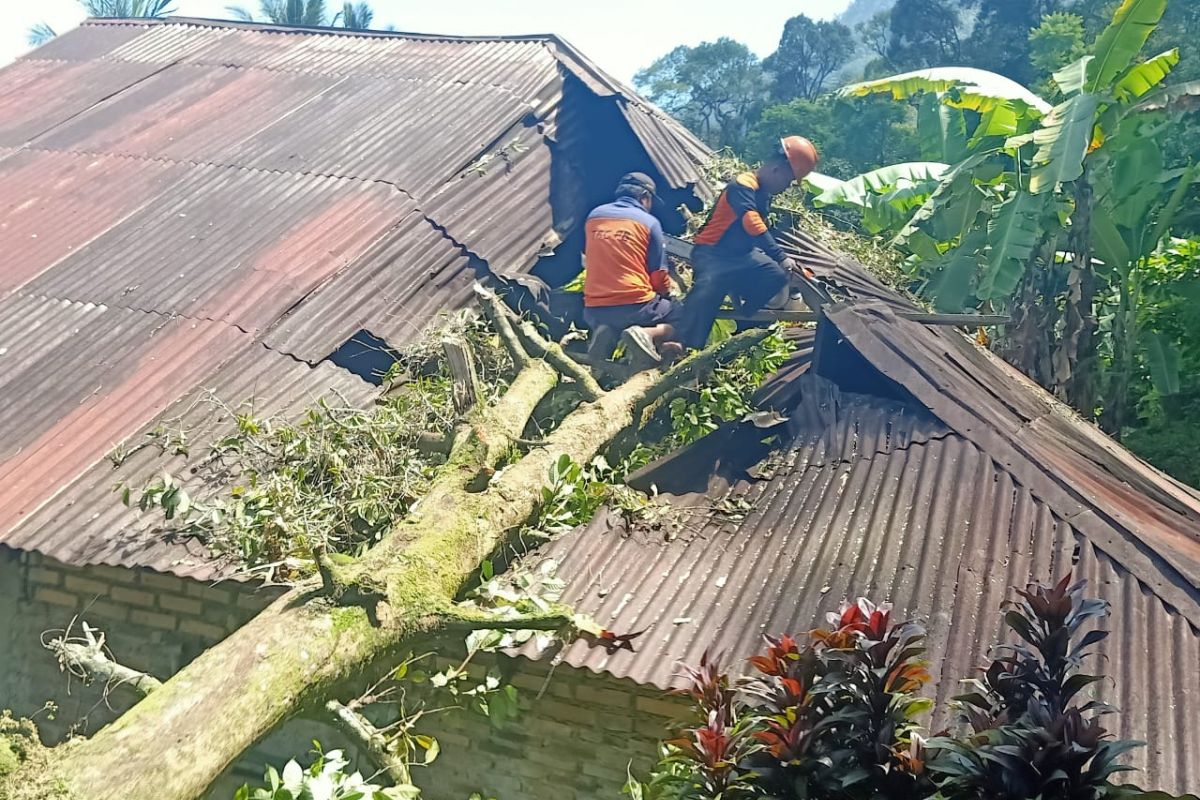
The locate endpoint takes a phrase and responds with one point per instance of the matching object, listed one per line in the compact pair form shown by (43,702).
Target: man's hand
(789,265)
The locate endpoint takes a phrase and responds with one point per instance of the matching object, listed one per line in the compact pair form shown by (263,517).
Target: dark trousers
(751,279)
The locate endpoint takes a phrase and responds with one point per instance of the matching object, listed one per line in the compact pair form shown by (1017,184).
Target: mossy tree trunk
(321,639)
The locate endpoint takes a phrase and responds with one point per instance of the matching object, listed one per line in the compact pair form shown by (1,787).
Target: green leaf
(1163,358)
(816,182)
(1063,142)
(974,89)
(1014,232)
(1071,78)
(1107,242)
(1140,79)
(941,130)
(954,273)
(1124,38)
(857,191)
(431,747)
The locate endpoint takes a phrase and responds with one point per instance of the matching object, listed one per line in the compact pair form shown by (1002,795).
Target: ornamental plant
(834,714)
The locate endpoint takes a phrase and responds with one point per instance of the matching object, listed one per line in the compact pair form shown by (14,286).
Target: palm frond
(39,34)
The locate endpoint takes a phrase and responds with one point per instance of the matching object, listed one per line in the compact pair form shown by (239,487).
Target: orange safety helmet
(801,155)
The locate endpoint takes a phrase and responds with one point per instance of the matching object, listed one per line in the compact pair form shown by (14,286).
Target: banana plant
(886,197)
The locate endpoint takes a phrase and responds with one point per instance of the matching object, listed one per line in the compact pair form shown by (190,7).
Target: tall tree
(355,16)
(808,53)
(925,33)
(1000,40)
(715,88)
(285,12)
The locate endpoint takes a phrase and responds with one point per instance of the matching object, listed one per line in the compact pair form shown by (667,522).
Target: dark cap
(638,182)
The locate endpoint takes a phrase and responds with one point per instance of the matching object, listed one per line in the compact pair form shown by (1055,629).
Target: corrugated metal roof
(103,531)
(78,378)
(178,193)
(881,499)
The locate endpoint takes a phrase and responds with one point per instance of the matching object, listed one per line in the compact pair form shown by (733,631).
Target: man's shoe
(639,344)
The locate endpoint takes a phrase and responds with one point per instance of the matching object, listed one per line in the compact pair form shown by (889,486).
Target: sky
(622,36)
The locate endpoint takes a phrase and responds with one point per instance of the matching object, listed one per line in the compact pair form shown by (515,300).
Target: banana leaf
(974,89)
(1180,97)
(1118,46)
(941,130)
(1140,79)
(1014,232)
(1162,357)
(1063,142)
(1071,78)
(858,191)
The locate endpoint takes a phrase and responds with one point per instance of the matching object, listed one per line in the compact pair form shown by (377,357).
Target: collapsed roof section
(195,206)
(914,468)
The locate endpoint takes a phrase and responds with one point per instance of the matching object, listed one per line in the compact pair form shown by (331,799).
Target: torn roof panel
(225,185)
(379,294)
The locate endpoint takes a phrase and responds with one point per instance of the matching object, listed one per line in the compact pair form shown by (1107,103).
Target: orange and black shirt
(626,255)
(738,222)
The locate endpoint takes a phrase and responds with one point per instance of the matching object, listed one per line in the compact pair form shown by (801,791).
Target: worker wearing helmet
(734,253)
(626,287)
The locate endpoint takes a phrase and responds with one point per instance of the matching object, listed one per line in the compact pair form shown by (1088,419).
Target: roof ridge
(320,30)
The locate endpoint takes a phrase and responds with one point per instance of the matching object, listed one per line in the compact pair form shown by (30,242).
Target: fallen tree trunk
(316,641)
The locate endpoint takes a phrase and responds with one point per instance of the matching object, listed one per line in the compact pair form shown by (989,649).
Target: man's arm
(742,200)
(656,260)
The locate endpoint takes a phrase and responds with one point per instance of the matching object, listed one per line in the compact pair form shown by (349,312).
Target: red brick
(77,583)
(182,605)
(203,629)
(134,597)
(153,619)
(55,597)
(45,576)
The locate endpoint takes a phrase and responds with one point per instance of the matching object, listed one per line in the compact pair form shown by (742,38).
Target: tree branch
(87,660)
(556,357)
(461,618)
(701,363)
(359,730)
(497,312)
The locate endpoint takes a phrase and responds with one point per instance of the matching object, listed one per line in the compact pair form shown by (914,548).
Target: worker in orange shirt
(626,287)
(734,253)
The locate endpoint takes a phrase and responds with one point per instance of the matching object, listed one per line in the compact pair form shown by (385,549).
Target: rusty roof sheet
(104,531)
(875,498)
(182,195)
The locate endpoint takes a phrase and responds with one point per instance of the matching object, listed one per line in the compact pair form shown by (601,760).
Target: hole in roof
(365,355)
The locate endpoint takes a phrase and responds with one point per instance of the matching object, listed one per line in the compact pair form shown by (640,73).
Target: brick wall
(153,622)
(577,734)
(573,741)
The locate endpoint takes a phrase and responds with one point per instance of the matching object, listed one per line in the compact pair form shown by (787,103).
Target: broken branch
(556,357)
(495,310)
(87,660)
(555,617)
(359,730)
